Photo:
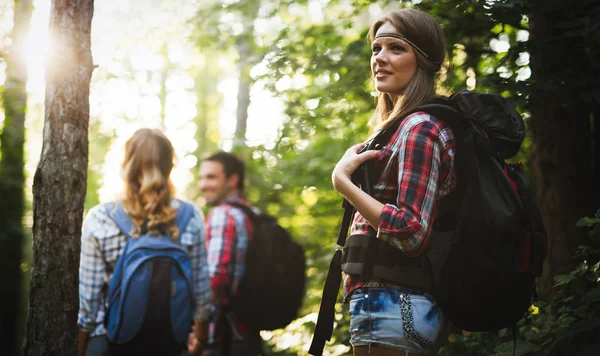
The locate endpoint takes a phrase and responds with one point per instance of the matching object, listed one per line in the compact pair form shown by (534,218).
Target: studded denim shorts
(396,318)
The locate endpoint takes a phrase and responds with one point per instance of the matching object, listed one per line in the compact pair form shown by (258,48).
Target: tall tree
(208,100)
(60,182)
(213,31)
(12,177)
(562,105)
(245,45)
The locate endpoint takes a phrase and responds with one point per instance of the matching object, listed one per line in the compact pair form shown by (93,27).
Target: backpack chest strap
(368,257)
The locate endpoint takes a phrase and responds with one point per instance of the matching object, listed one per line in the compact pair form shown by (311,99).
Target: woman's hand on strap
(349,163)
(366,205)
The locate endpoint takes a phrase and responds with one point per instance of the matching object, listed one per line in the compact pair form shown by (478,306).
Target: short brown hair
(232,164)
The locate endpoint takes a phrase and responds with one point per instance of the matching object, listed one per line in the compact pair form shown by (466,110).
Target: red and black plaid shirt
(228,232)
(417,170)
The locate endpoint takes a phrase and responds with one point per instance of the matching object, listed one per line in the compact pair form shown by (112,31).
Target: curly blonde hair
(146,171)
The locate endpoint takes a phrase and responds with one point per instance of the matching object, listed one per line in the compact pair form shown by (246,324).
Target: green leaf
(563,279)
(583,222)
(581,269)
(579,327)
(506,348)
(593,295)
(567,321)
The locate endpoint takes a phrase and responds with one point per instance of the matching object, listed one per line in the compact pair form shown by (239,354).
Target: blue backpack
(151,291)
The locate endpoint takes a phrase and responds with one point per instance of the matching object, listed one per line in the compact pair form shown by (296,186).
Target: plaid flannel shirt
(228,232)
(102,243)
(417,166)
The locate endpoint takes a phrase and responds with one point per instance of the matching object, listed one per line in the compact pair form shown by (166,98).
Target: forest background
(286,85)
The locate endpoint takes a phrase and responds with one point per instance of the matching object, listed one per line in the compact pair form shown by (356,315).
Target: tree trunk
(202,94)
(12,177)
(60,183)
(596,154)
(562,151)
(243,97)
(164,76)
(245,46)
(208,99)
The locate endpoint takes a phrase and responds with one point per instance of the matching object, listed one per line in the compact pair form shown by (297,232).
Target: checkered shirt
(417,166)
(102,243)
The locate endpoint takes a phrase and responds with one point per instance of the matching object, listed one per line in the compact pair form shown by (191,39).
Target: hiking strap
(536,225)
(248,211)
(117,213)
(526,197)
(324,326)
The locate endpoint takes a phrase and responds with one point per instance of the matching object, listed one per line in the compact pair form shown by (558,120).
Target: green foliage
(575,29)
(328,105)
(567,325)
(329,112)
(98,143)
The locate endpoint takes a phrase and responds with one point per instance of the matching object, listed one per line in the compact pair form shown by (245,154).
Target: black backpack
(486,248)
(271,291)
(485,254)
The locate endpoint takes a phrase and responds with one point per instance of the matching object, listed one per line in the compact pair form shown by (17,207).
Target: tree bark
(12,177)
(596,154)
(207,104)
(562,148)
(243,97)
(164,76)
(60,182)
(245,45)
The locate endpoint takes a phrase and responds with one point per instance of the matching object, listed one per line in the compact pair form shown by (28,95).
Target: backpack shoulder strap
(117,213)
(246,210)
(443,112)
(184,213)
(439,107)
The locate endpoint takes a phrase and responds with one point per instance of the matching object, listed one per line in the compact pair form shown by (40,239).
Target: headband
(400,37)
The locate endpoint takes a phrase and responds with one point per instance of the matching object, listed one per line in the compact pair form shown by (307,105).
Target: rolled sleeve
(194,234)
(92,272)
(221,227)
(406,225)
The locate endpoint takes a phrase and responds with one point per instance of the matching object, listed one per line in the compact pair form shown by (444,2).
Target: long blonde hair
(146,172)
(422,30)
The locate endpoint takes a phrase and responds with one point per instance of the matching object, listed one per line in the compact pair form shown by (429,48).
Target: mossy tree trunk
(60,183)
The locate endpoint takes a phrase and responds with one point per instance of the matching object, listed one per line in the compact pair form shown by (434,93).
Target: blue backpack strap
(124,223)
(184,214)
(117,213)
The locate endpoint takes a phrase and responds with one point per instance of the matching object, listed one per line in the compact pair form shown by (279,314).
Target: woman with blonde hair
(165,237)
(410,173)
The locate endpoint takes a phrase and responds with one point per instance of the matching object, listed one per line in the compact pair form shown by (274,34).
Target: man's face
(214,184)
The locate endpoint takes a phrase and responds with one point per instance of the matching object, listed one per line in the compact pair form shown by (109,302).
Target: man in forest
(228,232)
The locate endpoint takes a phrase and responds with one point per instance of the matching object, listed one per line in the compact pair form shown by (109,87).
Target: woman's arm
(82,341)
(366,205)
(418,151)
(198,256)
(92,272)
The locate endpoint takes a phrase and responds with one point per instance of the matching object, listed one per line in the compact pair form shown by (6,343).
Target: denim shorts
(396,318)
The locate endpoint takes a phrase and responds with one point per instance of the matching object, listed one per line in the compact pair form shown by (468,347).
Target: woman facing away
(411,172)
(149,204)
